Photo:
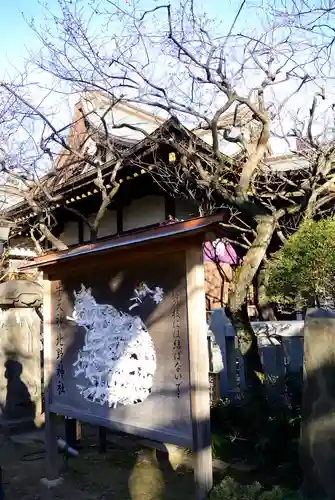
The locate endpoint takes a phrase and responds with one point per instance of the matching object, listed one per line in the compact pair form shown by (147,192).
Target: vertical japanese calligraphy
(60,372)
(177,347)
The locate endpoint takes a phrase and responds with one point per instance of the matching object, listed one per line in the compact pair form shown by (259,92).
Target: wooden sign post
(199,371)
(126,343)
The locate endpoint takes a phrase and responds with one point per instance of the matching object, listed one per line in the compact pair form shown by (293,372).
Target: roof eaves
(74,181)
(180,229)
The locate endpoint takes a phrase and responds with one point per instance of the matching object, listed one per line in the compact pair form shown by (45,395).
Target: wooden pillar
(80,231)
(2,493)
(102,440)
(51,449)
(119,219)
(170,206)
(72,432)
(199,371)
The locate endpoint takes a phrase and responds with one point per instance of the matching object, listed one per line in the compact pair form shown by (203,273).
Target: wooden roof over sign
(136,238)
(80,175)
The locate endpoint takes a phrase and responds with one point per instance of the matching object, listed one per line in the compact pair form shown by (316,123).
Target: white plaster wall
(121,113)
(123,116)
(143,212)
(227,148)
(70,234)
(185,209)
(287,162)
(107,227)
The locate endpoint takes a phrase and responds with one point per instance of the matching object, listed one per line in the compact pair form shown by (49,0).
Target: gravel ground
(122,474)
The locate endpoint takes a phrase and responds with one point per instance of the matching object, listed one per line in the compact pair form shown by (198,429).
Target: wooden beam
(72,432)
(199,371)
(119,220)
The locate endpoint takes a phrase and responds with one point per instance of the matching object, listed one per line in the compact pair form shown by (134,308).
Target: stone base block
(52,483)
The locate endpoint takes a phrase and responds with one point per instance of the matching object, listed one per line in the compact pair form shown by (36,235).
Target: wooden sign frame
(198,367)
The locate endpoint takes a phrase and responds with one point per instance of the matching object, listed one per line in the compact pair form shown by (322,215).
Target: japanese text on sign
(177,346)
(60,372)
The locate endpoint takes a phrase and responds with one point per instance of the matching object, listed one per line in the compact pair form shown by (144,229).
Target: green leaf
(305,266)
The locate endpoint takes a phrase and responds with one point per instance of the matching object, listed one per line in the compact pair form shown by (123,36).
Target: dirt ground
(134,473)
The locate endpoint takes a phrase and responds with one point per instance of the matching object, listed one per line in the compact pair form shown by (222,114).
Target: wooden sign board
(165,413)
(126,348)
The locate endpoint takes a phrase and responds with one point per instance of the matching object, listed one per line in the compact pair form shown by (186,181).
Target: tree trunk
(264,306)
(56,242)
(237,305)
(248,347)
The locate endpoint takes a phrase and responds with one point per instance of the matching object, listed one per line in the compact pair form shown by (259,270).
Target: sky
(17,38)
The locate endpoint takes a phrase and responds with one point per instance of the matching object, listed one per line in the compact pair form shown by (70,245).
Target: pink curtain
(220,251)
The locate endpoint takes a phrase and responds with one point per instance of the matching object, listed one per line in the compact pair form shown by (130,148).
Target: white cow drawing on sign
(118,359)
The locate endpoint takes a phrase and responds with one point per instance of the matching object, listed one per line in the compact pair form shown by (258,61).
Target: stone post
(318,410)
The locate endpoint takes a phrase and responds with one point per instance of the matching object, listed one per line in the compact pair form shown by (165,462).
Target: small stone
(52,483)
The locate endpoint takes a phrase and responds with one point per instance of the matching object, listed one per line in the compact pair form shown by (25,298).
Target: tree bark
(57,243)
(106,201)
(264,306)
(237,304)
(247,342)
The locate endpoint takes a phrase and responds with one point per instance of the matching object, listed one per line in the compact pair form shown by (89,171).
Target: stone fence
(281,348)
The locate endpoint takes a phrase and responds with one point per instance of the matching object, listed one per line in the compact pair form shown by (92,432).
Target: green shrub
(239,433)
(229,489)
(305,267)
(219,445)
